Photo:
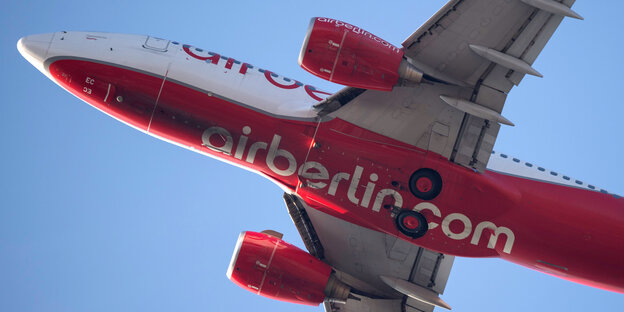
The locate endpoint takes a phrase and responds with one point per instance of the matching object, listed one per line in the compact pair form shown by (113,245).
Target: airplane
(399,158)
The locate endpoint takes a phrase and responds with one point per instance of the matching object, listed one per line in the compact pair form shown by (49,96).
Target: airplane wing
(370,262)
(472,53)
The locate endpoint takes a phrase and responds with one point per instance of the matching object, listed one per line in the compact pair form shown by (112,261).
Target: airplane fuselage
(258,120)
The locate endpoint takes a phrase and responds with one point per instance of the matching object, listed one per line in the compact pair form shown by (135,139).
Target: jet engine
(351,56)
(266,265)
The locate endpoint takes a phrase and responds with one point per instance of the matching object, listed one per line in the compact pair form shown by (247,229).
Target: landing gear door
(156,44)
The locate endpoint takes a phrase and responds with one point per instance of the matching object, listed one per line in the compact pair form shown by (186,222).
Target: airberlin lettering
(359,31)
(315,175)
(214,58)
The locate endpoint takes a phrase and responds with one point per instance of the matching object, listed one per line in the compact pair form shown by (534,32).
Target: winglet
(414,291)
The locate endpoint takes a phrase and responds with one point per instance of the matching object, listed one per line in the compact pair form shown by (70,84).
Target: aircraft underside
(386,180)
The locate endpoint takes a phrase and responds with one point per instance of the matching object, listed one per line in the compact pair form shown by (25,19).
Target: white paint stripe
(158,96)
(268,267)
(107,92)
(337,55)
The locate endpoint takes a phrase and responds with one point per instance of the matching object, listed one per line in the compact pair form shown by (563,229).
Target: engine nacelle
(268,266)
(349,55)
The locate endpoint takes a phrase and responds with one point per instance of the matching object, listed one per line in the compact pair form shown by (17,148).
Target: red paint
(273,268)
(411,222)
(348,55)
(553,226)
(229,63)
(312,92)
(138,91)
(214,58)
(295,84)
(424,184)
(243,69)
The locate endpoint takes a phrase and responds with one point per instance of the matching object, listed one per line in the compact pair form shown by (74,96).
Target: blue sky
(95,216)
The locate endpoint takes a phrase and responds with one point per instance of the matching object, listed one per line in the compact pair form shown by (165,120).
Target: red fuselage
(361,177)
